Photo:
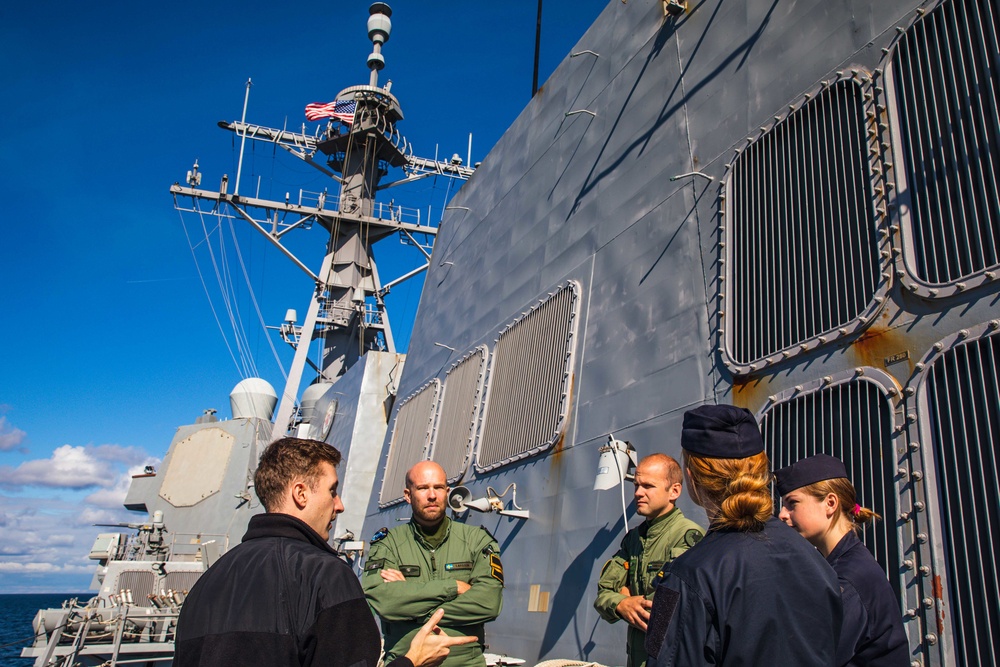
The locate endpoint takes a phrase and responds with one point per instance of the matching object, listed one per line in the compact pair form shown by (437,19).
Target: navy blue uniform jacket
(282,597)
(752,599)
(873,626)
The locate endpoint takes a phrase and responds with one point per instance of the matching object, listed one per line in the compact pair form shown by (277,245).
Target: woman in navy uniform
(820,503)
(751,592)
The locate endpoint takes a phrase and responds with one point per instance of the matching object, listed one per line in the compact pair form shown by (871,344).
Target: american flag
(342,110)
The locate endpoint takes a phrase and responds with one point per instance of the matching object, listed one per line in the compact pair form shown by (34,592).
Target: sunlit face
(808,515)
(654,494)
(427,492)
(323,502)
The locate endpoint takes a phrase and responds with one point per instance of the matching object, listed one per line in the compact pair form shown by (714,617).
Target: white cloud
(10,436)
(68,468)
(47,517)
(114,497)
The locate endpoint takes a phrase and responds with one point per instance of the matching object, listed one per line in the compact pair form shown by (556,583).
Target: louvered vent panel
(529,382)
(411,434)
(852,421)
(946,75)
(179,581)
(459,413)
(963,395)
(140,583)
(803,246)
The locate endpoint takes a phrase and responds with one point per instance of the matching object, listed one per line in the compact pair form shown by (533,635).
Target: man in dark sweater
(283,596)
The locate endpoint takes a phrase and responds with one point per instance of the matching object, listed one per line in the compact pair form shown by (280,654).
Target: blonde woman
(751,592)
(819,501)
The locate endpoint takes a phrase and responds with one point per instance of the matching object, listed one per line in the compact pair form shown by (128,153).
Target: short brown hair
(286,460)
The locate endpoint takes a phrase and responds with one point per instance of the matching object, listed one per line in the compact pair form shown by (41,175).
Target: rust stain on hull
(879,344)
(750,392)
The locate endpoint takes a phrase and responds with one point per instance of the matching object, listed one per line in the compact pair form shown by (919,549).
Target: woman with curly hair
(819,501)
(751,592)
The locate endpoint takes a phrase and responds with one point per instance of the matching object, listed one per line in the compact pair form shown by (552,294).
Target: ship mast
(347,311)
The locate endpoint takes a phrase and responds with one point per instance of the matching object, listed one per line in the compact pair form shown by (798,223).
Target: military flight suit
(468,554)
(638,564)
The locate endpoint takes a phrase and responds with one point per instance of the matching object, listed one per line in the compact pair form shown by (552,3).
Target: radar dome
(313,393)
(253,397)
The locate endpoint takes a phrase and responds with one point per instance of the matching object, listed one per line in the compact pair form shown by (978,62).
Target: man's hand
(635,611)
(430,646)
(389,574)
(462,586)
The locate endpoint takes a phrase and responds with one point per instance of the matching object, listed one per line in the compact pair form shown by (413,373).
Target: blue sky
(107,341)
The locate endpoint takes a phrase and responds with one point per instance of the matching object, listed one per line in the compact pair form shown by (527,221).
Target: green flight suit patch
(464,565)
(374,564)
(496,569)
(410,570)
(655,567)
(692,537)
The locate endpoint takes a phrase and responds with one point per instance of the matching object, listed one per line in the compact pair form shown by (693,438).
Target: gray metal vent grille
(411,434)
(140,583)
(803,250)
(529,384)
(179,581)
(946,79)
(854,422)
(459,413)
(963,395)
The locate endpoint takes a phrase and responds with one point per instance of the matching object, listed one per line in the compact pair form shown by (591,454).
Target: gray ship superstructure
(788,206)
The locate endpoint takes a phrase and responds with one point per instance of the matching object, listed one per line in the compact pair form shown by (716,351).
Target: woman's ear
(831,504)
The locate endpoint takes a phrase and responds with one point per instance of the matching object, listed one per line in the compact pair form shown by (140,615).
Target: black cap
(721,432)
(809,471)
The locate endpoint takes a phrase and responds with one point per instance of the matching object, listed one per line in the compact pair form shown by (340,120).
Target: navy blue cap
(808,471)
(721,432)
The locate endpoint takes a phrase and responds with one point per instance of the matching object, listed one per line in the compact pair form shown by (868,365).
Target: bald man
(433,562)
(625,589)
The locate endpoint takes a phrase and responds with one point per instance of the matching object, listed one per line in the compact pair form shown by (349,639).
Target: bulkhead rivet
(930,638)
(914,446)
(919,506)
(919,366)
(928,602)
(910,391)
(922,538)
(902,472)
(917,475)
(994,324)
(938,346)
(964,333)
(908,563)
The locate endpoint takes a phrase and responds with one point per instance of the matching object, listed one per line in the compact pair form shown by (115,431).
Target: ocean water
(16,614)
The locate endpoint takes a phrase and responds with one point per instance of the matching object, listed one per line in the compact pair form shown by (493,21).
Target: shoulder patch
(496,569)
(380,534)
(692,537)
(374,564)
(606,566)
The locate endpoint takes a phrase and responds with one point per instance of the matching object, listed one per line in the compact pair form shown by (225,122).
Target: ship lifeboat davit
(253,398)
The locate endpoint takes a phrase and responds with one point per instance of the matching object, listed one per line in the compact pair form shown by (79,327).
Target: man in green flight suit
(625,589)
(433,562)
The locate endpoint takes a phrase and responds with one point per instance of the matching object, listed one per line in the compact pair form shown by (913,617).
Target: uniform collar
(284,525)
(846,543)
(443,530)
(658,525)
